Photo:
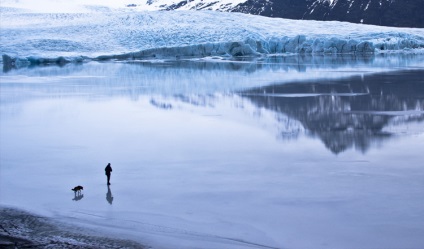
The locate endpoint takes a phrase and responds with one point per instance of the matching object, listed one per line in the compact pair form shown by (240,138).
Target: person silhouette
(109,196)
(108,170)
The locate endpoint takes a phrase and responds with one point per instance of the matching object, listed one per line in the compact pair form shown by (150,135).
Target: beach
(21,229)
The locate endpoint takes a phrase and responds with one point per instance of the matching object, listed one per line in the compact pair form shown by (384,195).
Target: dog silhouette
(77,189)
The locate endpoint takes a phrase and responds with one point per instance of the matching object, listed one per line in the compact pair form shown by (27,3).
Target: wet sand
(20,229)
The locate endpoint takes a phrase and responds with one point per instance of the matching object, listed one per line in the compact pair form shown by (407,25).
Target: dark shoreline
(21,229)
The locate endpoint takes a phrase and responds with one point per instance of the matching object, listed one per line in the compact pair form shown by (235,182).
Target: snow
(368,4)
(331,3)
(221,5)
(68,6)
(35,36)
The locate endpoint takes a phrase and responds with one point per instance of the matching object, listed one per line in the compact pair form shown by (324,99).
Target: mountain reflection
(350,112)
(336,99)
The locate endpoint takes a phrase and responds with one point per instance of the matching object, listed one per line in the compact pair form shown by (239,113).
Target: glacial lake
(274,152)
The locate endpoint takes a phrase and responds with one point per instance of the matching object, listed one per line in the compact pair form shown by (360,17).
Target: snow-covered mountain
(399,13)
(396,13)
(221,5)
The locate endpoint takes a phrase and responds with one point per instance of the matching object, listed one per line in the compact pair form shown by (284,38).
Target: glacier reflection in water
(345,101)
(350,112)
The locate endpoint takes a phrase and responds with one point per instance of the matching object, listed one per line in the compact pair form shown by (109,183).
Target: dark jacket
(108,169)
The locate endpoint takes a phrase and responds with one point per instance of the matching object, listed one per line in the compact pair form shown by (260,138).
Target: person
(108,169)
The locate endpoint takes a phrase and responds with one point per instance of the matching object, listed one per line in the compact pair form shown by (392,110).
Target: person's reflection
(109,196)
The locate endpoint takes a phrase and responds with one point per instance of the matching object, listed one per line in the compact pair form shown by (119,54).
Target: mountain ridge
(395,13)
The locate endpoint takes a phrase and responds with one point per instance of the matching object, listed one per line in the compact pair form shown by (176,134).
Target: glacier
(34,36)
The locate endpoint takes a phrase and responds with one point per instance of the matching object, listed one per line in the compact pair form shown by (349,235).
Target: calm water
(284,152)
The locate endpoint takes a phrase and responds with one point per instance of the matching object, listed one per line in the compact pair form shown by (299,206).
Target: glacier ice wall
(299,44)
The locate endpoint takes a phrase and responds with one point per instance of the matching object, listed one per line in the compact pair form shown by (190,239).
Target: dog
(77,189)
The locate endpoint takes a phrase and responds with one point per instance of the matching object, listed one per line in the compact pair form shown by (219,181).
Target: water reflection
(203,76)
(299,63)
(78,196)
(345,101)
(109,196)
(350,112)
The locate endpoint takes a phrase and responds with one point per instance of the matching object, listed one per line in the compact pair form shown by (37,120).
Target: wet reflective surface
(345,101)
(286,152)
(351,112)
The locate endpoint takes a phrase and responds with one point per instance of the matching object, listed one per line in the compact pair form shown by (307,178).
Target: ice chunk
(19,62)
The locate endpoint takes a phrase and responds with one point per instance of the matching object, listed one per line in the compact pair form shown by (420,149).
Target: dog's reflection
(78,196)
(109,196)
